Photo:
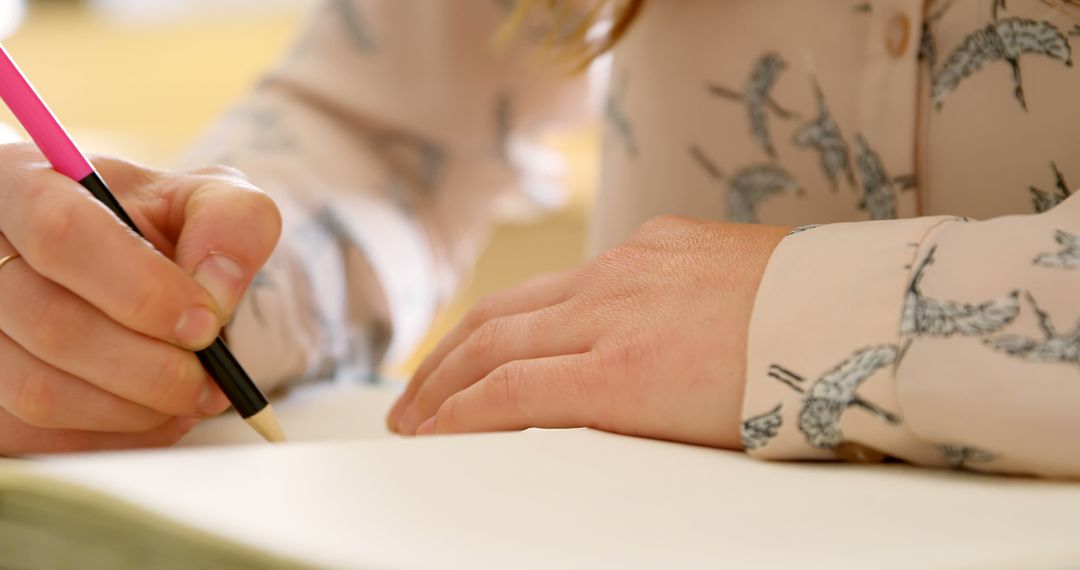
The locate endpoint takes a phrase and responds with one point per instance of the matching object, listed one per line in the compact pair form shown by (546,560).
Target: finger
(57,327)
(124,175)
(217,226)
(550,392)
(44,397)
(543,291)
(17,438)
(130,182)
(228,231)
(73,240)
(543,333)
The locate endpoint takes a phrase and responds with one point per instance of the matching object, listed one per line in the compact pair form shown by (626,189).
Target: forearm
(387,163)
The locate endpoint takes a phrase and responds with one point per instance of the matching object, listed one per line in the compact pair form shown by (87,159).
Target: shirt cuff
(824,341)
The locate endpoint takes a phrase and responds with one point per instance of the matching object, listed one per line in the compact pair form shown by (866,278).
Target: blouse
(924,309)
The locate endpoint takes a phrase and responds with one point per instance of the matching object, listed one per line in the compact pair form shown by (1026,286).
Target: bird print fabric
(617,119)
(828,397)
(872,129)
(959,456)
(1045,201)
(804,228)
(1066,258)
(823,135)
(1004,40)
(758,98)
(1052,347)
(878,188)
(353,20)
(749,186)
(758,430)
(936,317)
(927,42)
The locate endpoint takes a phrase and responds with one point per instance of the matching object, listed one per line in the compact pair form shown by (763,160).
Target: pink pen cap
(39,121)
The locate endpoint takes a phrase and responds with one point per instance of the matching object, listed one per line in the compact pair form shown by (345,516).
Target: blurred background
(142,78)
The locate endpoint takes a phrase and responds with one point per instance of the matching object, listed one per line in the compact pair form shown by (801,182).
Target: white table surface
(575,499)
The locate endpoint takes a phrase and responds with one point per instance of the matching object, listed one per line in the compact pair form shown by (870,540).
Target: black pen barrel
(217,358)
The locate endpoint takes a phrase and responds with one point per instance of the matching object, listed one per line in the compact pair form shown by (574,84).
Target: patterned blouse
(927,307)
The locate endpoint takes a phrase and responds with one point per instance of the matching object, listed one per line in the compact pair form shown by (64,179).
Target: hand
(97,326)
(649,339)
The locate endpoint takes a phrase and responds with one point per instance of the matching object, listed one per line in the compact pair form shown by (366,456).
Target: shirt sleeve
(939,341)
(391,137)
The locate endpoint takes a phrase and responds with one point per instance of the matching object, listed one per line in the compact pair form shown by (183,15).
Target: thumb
(228,231)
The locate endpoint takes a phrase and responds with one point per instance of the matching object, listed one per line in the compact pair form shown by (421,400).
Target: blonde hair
(568,23)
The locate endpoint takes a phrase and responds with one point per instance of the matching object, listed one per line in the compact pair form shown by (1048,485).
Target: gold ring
(8,259)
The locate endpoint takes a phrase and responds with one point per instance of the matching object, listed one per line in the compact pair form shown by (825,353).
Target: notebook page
(578,498)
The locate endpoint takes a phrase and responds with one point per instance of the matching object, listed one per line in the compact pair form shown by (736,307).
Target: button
(897,35)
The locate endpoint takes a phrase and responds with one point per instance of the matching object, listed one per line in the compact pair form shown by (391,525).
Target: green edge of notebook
(47,524)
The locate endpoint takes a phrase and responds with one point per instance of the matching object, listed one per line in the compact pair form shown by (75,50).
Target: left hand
(649,339)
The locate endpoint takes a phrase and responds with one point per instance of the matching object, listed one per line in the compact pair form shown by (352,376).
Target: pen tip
(265,423)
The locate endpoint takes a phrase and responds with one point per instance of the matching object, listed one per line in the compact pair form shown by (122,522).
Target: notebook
(344,494)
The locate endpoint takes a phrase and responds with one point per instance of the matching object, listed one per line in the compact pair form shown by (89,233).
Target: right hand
(97,327)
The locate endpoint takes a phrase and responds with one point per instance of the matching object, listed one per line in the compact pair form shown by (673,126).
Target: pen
(65,157)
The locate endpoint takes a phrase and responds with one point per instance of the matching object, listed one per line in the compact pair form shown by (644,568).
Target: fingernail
(198,327)
(426,428)
(212,401)
(222,278)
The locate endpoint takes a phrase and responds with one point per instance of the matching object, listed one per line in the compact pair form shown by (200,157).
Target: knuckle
(567,313)
(50,224)
(622,354)
(264,209)
(509,381)
(116,164)
(484,339)
(14,153)
(614,271)
(177,387)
